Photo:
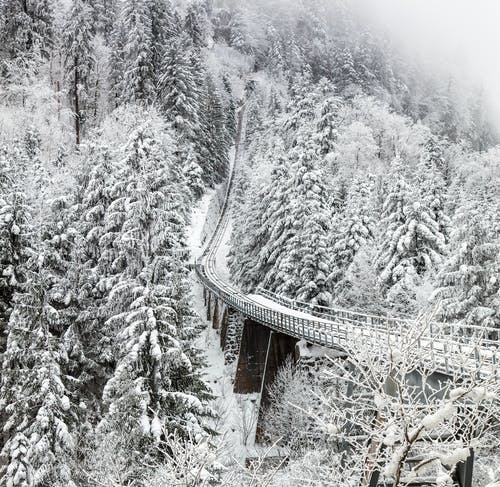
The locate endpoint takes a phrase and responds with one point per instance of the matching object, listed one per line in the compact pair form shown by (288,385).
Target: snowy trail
(236,413)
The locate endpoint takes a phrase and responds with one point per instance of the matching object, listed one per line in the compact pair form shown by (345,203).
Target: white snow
(198,217)
(454,457)
(221,256)
(444,413)
(268,303)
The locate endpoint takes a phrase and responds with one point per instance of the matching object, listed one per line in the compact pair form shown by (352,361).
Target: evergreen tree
(15,250)
(117,62)
(230,111)
(344,70)
(261,228)
(145,307)
(327,127)
(411,244)
(194,23)
(468,283)
(192,171)
(216,142)
(356,230)
(33,394)
(432,175)
(163,30)
(138,60)
(26,28)
(303,262)
(105,13)
(178,90)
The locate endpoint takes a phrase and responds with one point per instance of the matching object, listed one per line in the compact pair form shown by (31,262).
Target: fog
(459,37)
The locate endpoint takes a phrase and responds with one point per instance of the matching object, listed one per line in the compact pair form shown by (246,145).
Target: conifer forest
(246,243)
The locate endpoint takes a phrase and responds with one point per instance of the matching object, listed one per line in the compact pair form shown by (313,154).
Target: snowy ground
(195,235)
(222,253)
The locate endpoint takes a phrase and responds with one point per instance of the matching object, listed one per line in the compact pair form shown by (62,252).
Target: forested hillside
(368,182)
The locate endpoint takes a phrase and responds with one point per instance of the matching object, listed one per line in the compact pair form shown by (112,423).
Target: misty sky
(462,35)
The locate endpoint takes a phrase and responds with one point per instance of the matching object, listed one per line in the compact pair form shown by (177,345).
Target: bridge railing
(443,351)
(489,336)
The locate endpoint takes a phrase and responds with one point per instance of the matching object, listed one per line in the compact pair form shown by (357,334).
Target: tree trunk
(77,102)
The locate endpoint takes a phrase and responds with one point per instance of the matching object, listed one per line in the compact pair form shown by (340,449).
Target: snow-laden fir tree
(26,28)
(178,91)
(117,62)
(216,142)
(411,244)
(261,228)
(195,23)
(300,121)
(79,61)
(33,394)
(327,127)
(138,58)
(230,108)
(145,311)
(356,229)
(163,30)
(193,173)
(469,282)
(104,15)
(345,76)
(304,259)
(15,247)
(431,175)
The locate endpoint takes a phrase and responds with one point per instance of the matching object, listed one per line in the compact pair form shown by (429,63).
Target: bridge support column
(231,332)
(215,314)
(208,304)
(252,358)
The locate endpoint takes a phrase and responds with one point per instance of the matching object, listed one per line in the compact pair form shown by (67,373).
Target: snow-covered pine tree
(138,60)
(327,128)
(356,230)
(92,276)
(163,30)
(195,23)
(432,174)
(260,228)
(468,284)
(146,312)
(105,13)
(79,61)
(33,394)
(15,238)
(215,135)
(178,91)
(411,243)
(275,53)
(192,170)
(299,124)
(230,111)
(303,261)
(118,41)
(363,61)
(344,73)
(26,28)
